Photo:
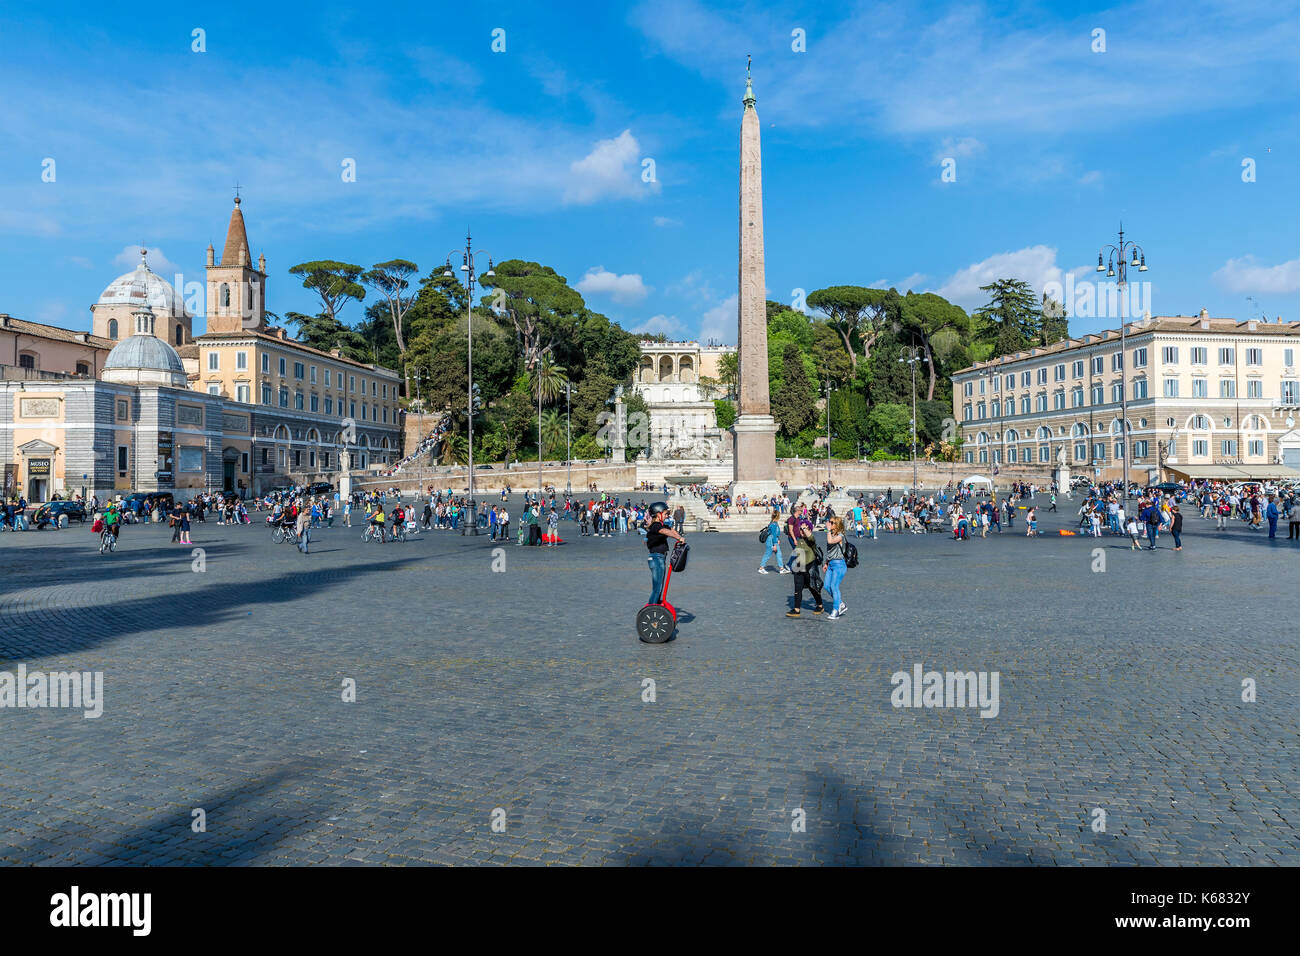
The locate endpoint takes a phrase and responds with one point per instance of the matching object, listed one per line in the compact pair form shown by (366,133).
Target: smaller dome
(143,287)
(144,351)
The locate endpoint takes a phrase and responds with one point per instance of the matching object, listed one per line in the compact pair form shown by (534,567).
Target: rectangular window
(327,378)
(1042,375)
(1076,397)
(266,456)
(1171,387)
(1117,392)
(1254,388)
(1227,356)
(1169,355)
(1290,391)
(1200,355)
(299,370)
(982,387)
(352,409)
(122,458)
(352,384)
(1058,400)
(283,365)
(1200,448)
(1044,453)
(1076,369)
(297,458)
(365,410)
(1140,388)
(284,397)
(979,411)
(1254,356)
(1059,374)
(297,400)
(266,362)
(1024,405)
(1026,379)
(372,387)
(385,413)
(313,374)
(1140,358)
(214,361)
(315,403)
(243,462)
(1200,388)
(266,394)
(124,408)
(241,361)
(1227,388)
(1119,451)
(1011,380)
(1139,449)
(1080,451)
(1255,448)
(1230,448)
(329,406)
(1010,407)
(241,393)
(1099,451)
(1288,357)
(1098,364)
(1040,403)
(966,413)
(384,391)
(1117,361)
(214,389)
(996,382)
(1098,395)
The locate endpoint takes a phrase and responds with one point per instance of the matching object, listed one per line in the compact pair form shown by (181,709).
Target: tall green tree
(1053,324)
(925,317)
(539,304)
(335,282)
(793,404)
(860,315)
(392,281)
(326,333)
(1009,321)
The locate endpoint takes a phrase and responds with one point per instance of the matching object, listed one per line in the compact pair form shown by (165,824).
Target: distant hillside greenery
(534,332)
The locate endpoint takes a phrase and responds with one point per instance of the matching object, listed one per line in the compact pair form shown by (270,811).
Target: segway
(656,623)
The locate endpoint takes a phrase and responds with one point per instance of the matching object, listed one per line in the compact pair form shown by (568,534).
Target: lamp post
(1113,254)
(828,434)
(419,374)
(568,439)
(467,267)
(915,356)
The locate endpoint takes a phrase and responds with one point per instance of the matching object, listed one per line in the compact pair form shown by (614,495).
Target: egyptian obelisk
(754,428)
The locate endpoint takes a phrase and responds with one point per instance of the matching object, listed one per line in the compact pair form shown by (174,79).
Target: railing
(21,373)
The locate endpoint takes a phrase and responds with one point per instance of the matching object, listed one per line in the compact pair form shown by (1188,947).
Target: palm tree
(552,380)
(552,429)
(454,450)
(729,372)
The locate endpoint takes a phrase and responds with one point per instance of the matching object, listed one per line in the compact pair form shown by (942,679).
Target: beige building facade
(1206,397)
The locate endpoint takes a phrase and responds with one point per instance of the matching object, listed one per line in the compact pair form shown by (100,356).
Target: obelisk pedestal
(754,428)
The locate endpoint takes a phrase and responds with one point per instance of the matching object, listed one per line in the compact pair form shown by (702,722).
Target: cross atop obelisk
(755,429)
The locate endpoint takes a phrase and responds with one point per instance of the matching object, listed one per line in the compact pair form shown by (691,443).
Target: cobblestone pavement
(1120,690)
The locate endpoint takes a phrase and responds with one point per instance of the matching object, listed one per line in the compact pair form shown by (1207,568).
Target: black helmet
(658,507)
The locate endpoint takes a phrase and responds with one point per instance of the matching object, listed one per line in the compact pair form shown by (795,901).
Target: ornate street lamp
(914,356)
(1116,255)
(467,267)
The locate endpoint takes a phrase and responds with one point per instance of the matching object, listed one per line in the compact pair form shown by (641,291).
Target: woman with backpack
(835,567)
(771,537)
(806,557)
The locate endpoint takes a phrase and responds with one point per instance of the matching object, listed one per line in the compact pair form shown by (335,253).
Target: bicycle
(399,533)
(372,533)
(107,541)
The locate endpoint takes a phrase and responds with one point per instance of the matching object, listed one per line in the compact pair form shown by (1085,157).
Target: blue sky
(541,148)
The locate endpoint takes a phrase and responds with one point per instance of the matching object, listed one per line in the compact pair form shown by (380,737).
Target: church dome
(142,287)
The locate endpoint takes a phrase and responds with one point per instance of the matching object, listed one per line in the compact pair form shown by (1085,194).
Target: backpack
(762,535)
(850,555)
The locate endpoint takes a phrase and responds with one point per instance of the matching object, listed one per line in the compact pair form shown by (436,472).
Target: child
(1133,532)
(1032,518)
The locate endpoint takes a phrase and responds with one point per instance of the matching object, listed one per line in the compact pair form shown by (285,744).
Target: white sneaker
(762,571)
(785,570)
(841,609)
(833,616)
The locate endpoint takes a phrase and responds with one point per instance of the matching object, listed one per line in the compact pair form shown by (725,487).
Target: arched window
(1044,433)
(1080,430)
(1012,436)
(27,360)
(224,296)
(112,328)
(1199,423)
(180,334)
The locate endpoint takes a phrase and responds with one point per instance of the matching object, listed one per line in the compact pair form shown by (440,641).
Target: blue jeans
(658,569)
(1152,531)
(835,571)
(768,548)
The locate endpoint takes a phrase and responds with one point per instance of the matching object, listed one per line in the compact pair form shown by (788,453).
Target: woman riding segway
(656,621)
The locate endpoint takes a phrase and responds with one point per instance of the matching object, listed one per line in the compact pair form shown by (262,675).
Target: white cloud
(912,282)
(953,148)
(1034,264)
(611,169)
(158,262)
(667,221)
(620,288)
(1247,275)
(720,322)
(1090,178)
(668,325)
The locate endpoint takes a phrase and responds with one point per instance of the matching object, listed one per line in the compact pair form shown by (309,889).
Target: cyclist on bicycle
(113,520)
(377,521)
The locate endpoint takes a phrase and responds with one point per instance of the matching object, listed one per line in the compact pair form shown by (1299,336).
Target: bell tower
(236,290)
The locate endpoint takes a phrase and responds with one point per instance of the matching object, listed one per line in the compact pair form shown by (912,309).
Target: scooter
(657,623)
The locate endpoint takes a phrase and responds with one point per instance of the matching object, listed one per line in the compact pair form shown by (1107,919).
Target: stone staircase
(699,517)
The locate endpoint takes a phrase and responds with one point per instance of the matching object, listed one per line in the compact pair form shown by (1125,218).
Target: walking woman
(1176,528)
(805,561)
(835,567)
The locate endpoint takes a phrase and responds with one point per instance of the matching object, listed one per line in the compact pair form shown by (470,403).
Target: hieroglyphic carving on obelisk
(755,429)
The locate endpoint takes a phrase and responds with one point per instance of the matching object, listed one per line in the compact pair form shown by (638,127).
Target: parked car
(320,488)
(61,512)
